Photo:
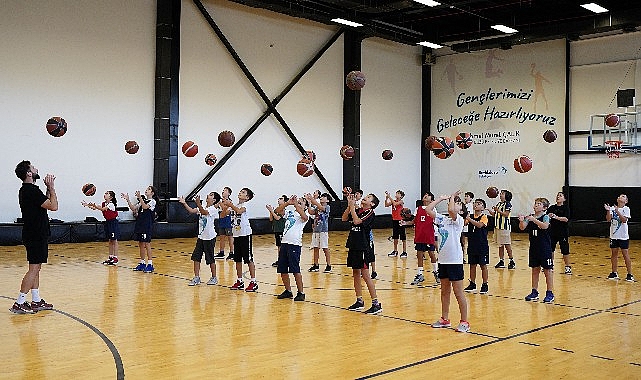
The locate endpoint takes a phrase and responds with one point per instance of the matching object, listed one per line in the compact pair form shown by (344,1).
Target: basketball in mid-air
(355,80)
(190,149)
(464,140)
(305,167)
(226,139)
(347,190)
(612,120)
(266,169)
(429,142)
(211,159)
(347,152)
(522,164)
(131,147)
(549,136)
(56,126)
(492,192)
(443,147)
(387,154)
(406,214)
(310,155)
(89,189)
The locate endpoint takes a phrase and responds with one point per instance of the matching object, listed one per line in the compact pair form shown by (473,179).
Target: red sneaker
(252,287)
(42,305)
(238,285)
(24,308)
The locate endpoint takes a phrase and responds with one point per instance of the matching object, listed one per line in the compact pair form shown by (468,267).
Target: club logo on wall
(489,173)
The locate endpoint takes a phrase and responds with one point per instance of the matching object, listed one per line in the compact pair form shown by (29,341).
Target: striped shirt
(503,222)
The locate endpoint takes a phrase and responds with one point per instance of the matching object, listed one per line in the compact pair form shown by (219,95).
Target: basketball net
(613,148)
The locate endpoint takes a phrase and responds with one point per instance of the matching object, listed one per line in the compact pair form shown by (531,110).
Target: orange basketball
(211,159)
(522,164)
(612,120)
(56,126)
(355,80)
(305,167)
(131,147)
(443,147)
(266,169)
(89,189)
(347,152)
(464,140)
(492,192)
(429,142)
(549,136)
(226,139)
(190,149)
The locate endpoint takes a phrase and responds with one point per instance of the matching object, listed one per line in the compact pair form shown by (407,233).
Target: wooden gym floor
(111,322)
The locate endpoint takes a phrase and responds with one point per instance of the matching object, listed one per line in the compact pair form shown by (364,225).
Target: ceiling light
(504,29)
(346,22)
(596,8)
(430,45)
(429,3)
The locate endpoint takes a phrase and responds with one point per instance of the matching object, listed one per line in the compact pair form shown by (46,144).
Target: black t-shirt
(358,238)
(558,228)
(34,217)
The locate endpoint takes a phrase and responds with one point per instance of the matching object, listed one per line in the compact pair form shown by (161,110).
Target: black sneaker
(275,264)
(500,264)
(511,265)
(471,287)
(374,275)
(328,268)
(375,309)
(629,277)
(358,305)
(299,297)
(484,289)
(393,254)
(314,268)
(231,256)
(403,254)
(285,294)
(613,276)
(220,256)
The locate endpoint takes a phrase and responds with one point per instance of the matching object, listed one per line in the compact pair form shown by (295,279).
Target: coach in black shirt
(35,234)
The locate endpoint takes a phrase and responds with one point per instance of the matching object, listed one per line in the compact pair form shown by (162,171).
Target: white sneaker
(418,279)
(194,281)
(212,281)
(463,327)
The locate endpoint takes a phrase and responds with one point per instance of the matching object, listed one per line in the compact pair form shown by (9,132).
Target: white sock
(253,279)
(420,270)
(435,267)
(142,261)
(240,279)
(22,297)
(149,262)
(35,295)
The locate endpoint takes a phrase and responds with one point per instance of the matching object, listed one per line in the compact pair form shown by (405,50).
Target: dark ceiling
(465,25)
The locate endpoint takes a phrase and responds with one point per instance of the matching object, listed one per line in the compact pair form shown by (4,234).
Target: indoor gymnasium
(380,189)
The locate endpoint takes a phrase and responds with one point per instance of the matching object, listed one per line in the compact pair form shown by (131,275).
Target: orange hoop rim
(614,143)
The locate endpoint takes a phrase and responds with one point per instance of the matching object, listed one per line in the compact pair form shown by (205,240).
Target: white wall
(215,95)
(91,63)
(391,119)
(598,67)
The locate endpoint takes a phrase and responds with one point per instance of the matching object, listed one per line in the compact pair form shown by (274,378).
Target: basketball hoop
(613,148)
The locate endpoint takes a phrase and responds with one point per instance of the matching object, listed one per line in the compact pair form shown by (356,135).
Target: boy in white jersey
(618,217)
(291,244)
(206,242)
(242,239)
